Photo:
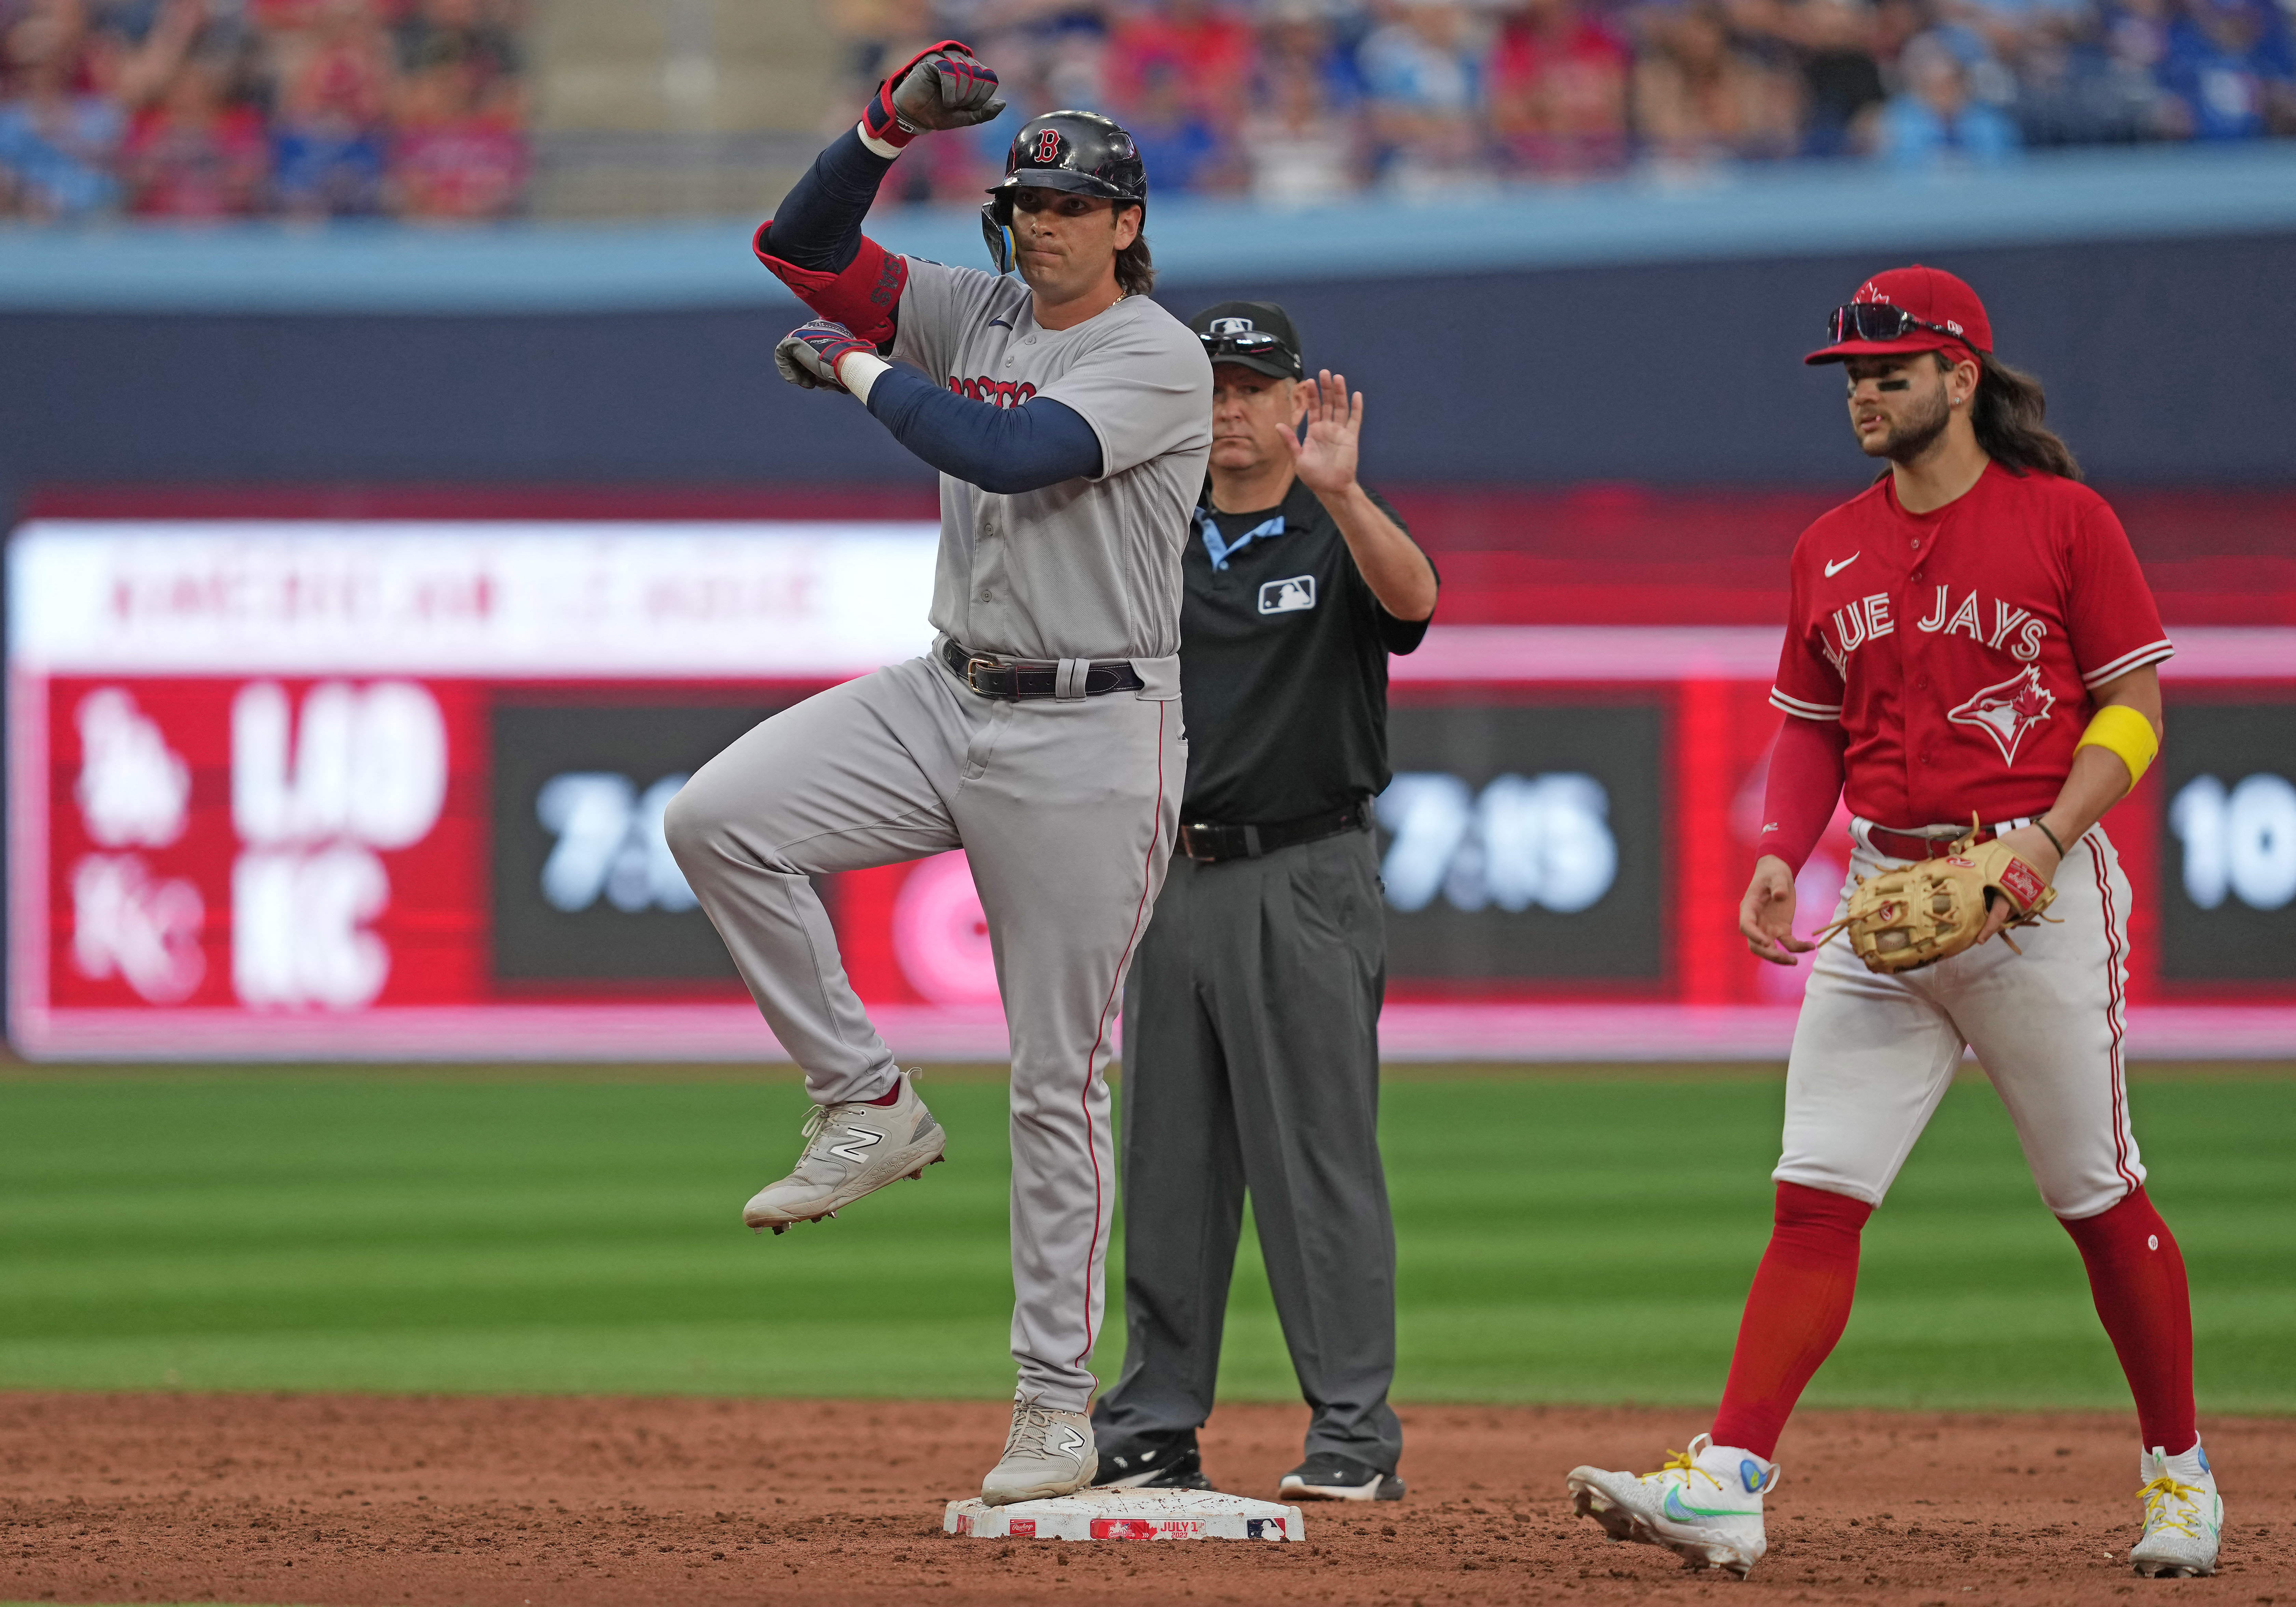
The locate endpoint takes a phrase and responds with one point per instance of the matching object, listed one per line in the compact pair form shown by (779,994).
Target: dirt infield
(507,1502)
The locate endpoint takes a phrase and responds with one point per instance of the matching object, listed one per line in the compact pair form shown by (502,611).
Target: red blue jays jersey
(1958,648)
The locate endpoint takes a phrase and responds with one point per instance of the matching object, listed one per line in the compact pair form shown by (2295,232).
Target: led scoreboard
(394,789)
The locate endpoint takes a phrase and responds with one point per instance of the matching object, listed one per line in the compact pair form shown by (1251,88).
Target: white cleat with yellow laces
(1704,1505)
(2182,1515)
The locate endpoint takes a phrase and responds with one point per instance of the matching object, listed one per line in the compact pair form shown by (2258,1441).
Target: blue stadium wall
(1650,344)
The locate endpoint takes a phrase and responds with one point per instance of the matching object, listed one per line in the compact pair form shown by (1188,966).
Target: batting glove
(807,356)
(945,86)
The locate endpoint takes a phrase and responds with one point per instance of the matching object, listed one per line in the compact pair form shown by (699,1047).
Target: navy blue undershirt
(1001,450)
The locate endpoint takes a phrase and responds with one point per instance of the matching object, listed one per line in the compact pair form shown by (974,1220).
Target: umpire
(1251,1015)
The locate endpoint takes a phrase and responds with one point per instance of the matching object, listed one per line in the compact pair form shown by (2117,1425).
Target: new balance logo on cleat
(858,1141)
(848,1153)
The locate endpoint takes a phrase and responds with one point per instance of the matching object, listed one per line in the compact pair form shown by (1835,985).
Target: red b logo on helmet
(1048,146)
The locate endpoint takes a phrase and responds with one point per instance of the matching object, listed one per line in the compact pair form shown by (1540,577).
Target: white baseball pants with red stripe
(1873,1055)
(1065,809)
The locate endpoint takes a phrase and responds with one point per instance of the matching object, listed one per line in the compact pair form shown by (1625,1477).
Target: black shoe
(1327,1476)
(1154,1462)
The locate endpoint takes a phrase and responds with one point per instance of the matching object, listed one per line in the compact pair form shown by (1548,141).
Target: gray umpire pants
(1251,1064)
(1065,810)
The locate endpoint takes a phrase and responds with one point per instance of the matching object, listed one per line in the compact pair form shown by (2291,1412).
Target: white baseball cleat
(851,1149)
(1047,1454)
(2183,1516)
(1705,1505)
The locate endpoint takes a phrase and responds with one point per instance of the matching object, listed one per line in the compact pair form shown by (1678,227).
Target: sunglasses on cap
(1243,343)
(1879,320)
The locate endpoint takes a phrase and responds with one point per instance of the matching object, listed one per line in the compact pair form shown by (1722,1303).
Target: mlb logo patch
(1292,596)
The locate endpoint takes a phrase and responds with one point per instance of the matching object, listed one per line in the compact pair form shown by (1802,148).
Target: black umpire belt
(1017,680)
(1202,840)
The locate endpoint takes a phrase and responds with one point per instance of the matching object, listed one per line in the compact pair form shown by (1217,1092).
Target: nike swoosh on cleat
(1832,569)
(1674,1509)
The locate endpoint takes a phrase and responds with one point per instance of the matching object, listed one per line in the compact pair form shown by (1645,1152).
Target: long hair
(1136,270)
(2007,413)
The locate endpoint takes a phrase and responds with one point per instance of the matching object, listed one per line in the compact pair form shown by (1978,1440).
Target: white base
(1098,1514)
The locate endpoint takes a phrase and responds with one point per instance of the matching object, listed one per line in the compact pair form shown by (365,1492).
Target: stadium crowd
(1294,100)
(204,108)
(193,108)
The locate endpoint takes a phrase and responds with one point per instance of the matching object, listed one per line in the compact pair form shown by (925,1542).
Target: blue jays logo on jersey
(2005,712)
(1292,596)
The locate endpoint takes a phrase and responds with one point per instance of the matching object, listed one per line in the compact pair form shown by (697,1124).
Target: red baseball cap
(1938,311)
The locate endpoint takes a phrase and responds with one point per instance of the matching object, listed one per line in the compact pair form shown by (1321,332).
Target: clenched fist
(945,86)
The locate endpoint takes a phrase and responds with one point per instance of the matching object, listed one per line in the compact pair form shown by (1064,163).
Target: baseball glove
(1916,914)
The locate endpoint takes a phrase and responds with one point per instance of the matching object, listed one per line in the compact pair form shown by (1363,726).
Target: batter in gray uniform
(1070,415)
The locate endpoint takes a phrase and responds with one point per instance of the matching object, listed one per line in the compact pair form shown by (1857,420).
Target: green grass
(1562,1239)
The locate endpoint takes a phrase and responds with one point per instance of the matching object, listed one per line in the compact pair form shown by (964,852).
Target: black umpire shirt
(1282,666)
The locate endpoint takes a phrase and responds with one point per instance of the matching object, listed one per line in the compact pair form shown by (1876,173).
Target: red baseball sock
(892,1097)
(2136,1274)
(1794,1314)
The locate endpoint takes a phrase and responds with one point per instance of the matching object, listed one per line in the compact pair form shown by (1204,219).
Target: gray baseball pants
(1252,1063)
(1065,810)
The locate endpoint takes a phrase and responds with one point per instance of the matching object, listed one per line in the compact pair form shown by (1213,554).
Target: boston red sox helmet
(1080,151)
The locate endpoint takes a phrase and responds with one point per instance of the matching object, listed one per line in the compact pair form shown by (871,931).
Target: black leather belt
(1018,680)
(1202,840)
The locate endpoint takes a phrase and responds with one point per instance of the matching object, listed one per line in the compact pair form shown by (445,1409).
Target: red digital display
(335,791)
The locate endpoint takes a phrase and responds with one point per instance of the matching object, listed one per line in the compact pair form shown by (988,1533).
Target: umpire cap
(1258,335)
(1080,152)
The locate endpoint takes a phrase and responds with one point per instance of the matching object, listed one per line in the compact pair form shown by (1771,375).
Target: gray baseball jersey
(1083,569)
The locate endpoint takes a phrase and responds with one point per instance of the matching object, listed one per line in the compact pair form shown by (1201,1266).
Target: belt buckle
(978,661)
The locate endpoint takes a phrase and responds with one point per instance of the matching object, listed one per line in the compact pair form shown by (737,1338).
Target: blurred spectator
(1842,92)
(1422,74)
(1700,96)
(1559,78)
(1183,51)
(57,139)
(471,35)
(1300,147)
(214,109)
(328,138)
(1934,120)
(453,155)
(1176,139)
(2227,79)
(198,153)
(2078,86)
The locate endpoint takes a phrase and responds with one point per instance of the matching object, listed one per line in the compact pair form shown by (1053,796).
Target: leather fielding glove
(807,356)
(943,86)
(1912,915)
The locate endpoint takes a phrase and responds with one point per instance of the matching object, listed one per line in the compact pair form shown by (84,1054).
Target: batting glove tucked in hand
(945,86)
(807,356)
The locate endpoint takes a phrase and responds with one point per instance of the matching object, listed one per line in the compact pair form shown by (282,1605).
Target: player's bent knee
(689,824)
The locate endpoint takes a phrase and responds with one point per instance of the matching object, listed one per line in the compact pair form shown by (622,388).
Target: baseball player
(1069,416)
(1970,635)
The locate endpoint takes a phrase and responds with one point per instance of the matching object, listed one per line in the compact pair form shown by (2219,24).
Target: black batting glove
(943,86)
(809,355)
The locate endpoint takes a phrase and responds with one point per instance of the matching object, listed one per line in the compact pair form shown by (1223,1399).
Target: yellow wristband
(2121,730)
